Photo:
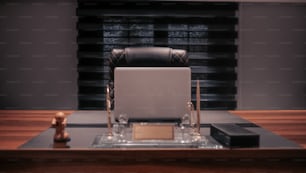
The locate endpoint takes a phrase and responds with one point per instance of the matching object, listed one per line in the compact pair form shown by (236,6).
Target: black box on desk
(232,135)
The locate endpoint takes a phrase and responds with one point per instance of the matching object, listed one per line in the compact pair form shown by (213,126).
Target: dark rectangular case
(232,135)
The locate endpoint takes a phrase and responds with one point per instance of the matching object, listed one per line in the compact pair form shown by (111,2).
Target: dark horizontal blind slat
(222,36)
(183,40)
(123,4)
(207,32)
(209,22)
(148,13)
(97,8)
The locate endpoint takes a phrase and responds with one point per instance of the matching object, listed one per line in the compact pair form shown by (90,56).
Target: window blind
(207,30)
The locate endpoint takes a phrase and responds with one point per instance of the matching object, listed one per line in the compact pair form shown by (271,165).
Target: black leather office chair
(145,57)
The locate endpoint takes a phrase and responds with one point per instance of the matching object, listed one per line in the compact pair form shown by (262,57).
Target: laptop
(154,94)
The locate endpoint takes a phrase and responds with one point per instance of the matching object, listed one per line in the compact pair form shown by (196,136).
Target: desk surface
(84,126)
(20,126)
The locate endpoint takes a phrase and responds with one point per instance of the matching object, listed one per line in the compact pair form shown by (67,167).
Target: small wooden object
(59,123)
(153,132)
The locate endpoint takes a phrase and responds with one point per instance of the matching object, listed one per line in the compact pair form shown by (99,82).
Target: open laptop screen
(152,93)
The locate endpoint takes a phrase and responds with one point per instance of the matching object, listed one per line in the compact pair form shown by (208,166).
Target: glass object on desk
(119,129)
(118,133)
(123,119)
(192,116)
(184,128)
(123,122)
(194,134)
(193,120)
(101,141)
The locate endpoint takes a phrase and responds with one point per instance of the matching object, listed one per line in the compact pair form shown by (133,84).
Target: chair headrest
(148,56)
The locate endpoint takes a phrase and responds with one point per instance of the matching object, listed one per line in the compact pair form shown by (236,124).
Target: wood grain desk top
(18,126)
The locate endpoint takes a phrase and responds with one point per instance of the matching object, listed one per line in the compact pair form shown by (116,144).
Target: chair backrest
(145,57)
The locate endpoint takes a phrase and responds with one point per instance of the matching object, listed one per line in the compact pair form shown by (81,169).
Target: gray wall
(38,55)
(38,63)
(272,56)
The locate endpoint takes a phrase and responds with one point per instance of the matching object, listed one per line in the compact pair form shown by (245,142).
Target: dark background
(38,61)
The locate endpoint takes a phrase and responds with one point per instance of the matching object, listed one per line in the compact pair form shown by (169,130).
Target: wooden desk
(19,126)
(290,124)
